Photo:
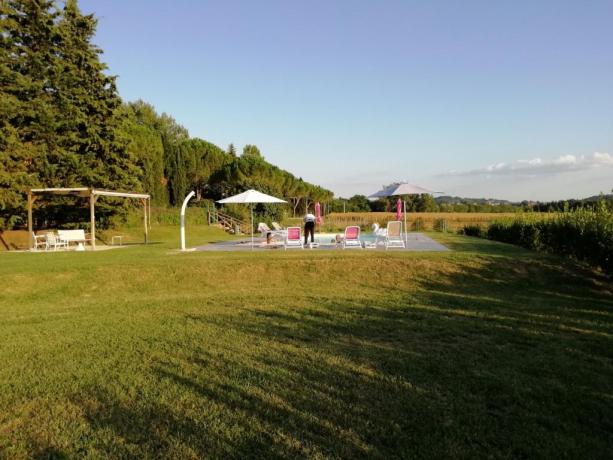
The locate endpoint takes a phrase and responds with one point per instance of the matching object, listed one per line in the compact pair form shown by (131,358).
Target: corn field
(440,221)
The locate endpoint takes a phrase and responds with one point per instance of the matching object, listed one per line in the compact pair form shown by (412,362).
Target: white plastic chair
(54,241)
(394,238)
(40,241)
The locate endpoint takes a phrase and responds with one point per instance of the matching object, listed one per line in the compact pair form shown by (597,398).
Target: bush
(472,230)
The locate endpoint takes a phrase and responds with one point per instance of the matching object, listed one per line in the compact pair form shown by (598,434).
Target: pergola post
(30,229)
(92,217)
(144,202)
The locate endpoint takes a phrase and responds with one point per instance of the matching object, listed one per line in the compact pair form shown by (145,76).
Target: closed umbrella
(398,209)
(318,213)
(251,197)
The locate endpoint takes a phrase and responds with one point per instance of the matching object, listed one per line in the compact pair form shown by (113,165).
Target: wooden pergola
(93,195)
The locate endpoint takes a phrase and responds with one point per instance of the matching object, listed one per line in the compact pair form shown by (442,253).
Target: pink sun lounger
(293,238)
(352,237)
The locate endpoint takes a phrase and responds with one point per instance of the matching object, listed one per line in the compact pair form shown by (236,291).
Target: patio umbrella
(398,209)
(318,212)
(250,197)
(400,189)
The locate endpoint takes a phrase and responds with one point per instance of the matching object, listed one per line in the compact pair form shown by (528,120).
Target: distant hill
(447,199)
(607,197)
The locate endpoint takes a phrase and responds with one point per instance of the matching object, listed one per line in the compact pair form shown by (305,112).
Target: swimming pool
(329,239)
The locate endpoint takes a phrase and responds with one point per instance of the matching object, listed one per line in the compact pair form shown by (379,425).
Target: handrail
(226,221)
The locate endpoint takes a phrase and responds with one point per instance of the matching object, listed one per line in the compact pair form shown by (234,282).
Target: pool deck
(415,242)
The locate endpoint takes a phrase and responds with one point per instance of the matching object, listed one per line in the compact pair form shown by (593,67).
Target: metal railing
(227,222)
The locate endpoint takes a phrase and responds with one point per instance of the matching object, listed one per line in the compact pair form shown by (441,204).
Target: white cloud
(538,166)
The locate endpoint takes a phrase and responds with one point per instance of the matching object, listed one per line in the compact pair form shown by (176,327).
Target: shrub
(472,230)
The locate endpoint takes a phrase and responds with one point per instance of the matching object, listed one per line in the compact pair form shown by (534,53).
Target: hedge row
(585,235)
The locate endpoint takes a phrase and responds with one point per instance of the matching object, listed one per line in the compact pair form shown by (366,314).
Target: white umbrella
(251,197)
(399,189)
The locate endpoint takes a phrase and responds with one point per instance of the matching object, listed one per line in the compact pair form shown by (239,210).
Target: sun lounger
(277,227)
(265,230)
(352,238)
(293,238)
(394,238)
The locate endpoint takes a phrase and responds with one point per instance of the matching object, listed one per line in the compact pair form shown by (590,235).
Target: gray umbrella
(400,189)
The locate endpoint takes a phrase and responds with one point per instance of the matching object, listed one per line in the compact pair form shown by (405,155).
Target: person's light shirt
(309,218)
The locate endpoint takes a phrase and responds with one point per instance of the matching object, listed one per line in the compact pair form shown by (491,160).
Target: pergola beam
(59,190)
(120,194)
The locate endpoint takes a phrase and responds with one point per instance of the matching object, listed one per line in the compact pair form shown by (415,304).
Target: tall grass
(583,234)
(416,221)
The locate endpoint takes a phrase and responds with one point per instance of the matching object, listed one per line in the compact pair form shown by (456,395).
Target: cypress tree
(59,111)
(28,46)
(93,151)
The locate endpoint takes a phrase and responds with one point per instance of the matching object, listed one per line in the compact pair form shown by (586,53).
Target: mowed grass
(142,352)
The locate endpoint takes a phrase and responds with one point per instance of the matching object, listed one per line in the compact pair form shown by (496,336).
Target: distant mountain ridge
(448,199)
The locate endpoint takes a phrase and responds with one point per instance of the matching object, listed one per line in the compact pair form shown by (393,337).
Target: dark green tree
(142,128)
(28,47)
(358,203)
(63,126)
(252,151)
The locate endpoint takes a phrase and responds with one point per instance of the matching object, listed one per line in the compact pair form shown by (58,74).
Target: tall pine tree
(28,49)
(59,111)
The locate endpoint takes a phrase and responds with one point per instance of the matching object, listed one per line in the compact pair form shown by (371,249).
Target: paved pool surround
(415,242)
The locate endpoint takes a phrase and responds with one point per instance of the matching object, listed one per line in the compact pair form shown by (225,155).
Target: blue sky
(474,98)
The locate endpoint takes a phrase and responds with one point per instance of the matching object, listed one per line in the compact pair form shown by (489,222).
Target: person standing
(309,227)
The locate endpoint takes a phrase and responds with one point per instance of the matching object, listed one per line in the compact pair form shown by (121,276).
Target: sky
(510,100)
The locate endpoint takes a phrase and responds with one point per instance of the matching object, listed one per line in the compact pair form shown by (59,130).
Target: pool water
(326,239)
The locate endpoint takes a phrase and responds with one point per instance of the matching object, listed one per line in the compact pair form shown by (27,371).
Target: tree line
(63,124)
(416,203)
(428,203)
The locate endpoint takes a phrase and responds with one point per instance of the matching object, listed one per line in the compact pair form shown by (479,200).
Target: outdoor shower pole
(187,198)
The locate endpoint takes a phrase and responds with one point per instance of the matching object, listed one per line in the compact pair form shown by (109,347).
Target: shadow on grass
(490,361)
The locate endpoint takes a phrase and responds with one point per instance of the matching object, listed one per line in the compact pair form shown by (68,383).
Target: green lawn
(142,352)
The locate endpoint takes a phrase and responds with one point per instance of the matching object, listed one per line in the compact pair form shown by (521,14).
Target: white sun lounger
(394,238)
